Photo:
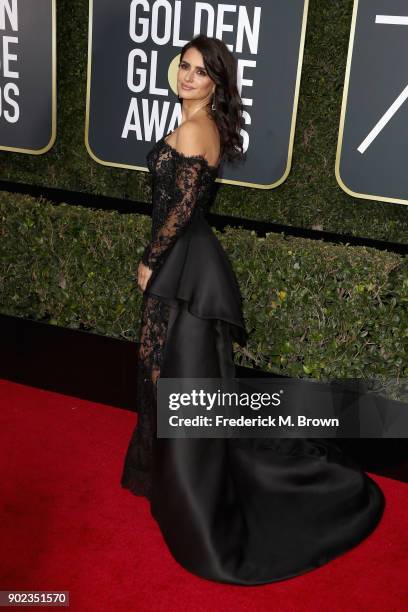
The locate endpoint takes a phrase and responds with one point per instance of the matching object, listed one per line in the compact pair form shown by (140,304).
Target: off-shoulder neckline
(184,156)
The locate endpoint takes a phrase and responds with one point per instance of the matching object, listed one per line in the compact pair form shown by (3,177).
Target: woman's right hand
(143,275)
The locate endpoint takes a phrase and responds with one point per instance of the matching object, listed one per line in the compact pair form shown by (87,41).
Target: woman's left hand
(143,275)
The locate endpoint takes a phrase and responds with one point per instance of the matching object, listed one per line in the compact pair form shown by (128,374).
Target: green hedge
(312,308)
(310,197)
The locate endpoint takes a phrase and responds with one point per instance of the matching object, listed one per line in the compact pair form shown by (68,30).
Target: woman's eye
(185,67)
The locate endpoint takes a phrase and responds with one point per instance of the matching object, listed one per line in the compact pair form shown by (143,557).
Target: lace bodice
(182,186)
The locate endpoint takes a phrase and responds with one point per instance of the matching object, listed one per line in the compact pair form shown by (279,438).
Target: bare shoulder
(197,137)
(189,138)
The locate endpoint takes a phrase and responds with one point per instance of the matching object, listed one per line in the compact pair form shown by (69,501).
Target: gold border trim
(53,93)
(88,96)
(219,180)
(365,196)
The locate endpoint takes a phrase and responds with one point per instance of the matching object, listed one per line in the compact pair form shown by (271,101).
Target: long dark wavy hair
(221,67)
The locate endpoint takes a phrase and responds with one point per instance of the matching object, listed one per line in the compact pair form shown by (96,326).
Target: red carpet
(66,524)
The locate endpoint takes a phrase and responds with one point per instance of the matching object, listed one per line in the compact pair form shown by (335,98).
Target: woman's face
(193,82)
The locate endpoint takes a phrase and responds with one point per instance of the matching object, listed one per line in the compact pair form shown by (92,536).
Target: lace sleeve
(187,181)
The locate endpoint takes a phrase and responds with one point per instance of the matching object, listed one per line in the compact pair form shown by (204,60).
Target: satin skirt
(243,511)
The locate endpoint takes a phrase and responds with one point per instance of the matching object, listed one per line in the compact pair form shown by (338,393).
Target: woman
(242,511)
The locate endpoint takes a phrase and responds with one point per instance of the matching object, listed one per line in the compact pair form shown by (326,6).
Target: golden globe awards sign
(133,55)
(373,136)
(27,75)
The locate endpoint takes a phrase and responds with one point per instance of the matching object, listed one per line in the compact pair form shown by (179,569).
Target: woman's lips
(186,87)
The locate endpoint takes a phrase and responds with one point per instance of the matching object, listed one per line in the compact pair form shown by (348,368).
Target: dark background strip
(58,196)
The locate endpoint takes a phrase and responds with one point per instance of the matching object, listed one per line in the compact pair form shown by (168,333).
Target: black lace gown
(240,511)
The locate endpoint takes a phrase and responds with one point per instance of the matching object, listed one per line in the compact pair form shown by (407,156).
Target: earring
(213,102)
